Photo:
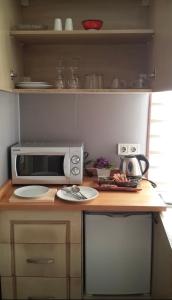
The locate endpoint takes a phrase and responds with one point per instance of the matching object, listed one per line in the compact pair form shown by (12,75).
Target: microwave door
(56,169)
(36,168)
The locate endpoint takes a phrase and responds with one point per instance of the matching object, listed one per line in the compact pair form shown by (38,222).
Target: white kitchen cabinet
(40,233)
(162,45)
(40,255)
(10,60)
(42,260)
(135,39)
(121,49)
(41,288)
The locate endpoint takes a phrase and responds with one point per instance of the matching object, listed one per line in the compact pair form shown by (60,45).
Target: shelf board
(83,36)
(82,91)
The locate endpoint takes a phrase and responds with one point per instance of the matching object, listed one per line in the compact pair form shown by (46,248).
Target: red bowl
(92,24)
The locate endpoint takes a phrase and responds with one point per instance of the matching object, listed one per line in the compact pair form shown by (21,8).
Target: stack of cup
(58,24)
(68,24)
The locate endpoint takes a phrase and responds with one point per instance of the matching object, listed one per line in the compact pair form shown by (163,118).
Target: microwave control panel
(76,168)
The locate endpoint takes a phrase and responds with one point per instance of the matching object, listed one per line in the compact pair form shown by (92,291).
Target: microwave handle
(14,165)
(66,165)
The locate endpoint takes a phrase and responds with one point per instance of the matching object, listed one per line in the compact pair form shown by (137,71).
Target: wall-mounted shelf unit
(83,36)
(120,49)
(125,47)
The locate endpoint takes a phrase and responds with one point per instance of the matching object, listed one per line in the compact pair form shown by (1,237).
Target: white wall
(100,121)
(9,129)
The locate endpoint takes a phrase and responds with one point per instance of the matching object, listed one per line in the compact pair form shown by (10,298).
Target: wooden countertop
(145,200)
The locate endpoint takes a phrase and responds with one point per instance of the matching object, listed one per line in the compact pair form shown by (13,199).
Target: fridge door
(117,253)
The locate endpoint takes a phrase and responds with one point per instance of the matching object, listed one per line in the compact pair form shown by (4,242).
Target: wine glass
(60,82)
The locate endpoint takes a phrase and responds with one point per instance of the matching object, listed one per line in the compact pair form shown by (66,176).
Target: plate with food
(118,182)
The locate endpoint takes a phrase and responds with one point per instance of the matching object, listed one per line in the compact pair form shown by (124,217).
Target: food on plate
(120,177)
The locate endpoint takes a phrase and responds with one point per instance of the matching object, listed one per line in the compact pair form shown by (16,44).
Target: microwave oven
(49,163)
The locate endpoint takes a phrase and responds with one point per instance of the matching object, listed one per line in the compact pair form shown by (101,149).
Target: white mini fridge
(118,253)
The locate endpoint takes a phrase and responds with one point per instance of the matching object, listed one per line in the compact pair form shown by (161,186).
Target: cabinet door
(41,288)
(7,288)
(9,16)
(162,47)
(44,260)
(5,260)
(40,233)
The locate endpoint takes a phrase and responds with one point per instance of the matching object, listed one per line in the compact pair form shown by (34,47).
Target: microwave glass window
(40,165)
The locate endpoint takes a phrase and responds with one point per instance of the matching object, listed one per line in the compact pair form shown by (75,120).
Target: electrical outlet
(133,149)
(122,149)
(128,149)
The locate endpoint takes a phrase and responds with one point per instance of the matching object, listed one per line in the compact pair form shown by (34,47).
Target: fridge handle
(117,215)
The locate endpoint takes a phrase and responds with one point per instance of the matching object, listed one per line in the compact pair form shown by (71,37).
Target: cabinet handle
(46,260)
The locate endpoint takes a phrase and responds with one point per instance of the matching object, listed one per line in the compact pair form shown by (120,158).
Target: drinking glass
(60,82)
(100,81)
(73,81)
(118,83)
(93,81)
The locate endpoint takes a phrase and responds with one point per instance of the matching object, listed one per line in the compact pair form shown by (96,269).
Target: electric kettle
(131,165)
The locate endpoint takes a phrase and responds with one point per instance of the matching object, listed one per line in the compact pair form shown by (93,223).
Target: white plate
(31,191)
(34,86)
(32,82)
(89,192)
(30,85)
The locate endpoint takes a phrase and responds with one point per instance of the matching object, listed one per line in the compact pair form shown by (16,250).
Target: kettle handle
(141,157)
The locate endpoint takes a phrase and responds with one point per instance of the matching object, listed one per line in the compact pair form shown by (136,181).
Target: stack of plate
(33,85)
(31,27)
(31,191)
